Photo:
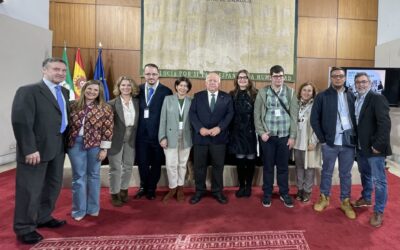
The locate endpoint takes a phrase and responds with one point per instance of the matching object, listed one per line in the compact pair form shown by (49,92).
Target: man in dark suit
(210,114)
(373,129)
(39,118)
(150,155)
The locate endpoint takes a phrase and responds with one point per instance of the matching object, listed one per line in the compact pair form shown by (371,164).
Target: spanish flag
(79,74)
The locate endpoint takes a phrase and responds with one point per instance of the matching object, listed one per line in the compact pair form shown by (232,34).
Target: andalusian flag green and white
(68,83)
(79,74)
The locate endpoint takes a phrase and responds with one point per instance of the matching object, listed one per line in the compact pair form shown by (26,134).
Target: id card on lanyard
(181,109)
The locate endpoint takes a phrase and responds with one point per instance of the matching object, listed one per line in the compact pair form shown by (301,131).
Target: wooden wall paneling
(316,37)
(89,57)
(317,8)
(356,39)
(358,9)
(134,3)
(315,70)
(75,1)
(355,63)
(118,27)
(121,62)
(72,23)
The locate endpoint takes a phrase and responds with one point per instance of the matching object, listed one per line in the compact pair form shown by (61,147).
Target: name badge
(277,112)
(146,113)
(180,125)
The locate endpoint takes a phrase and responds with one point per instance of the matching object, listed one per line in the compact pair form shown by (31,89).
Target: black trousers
(202,155)
(275,153)
(149,157)
(36,192)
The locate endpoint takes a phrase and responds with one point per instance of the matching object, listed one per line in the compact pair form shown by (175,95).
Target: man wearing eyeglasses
(373,127)
(150,155)
(275,118)
(333,114)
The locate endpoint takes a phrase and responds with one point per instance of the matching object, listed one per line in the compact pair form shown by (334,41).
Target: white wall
(23,47)
(388,21)
(35,12)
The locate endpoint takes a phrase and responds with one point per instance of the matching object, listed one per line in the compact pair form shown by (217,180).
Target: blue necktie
(60,102)
(149,94)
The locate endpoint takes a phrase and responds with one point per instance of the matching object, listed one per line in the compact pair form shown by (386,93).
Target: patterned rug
(243,240)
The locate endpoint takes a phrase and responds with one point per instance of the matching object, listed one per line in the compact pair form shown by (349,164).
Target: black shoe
(300,194)
(240,192)
(287,200)
(247,192)
(53,223)
(140,193)
(151,195)
(30,238)
(266,201)
(220,198)
(196,198)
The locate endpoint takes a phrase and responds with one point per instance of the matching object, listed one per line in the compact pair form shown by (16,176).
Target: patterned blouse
(98,125)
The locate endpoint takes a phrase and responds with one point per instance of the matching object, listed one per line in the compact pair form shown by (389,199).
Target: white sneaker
(78,218)
(94,214)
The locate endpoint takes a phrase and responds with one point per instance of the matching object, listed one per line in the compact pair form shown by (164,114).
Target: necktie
(150,92)
(61,105)
(212,103)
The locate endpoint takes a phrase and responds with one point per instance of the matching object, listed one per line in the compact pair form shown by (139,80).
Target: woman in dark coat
(243,140)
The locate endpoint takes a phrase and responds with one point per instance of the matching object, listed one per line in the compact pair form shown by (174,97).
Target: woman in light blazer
(175,137)
(121,155)
(307,149)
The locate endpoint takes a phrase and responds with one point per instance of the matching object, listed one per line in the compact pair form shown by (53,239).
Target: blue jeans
(275,152)
(345,156)
(372,172)
(85,179)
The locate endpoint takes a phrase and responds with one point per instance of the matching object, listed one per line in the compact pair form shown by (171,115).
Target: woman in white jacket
(307,150)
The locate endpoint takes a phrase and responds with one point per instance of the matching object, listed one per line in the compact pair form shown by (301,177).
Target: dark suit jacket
(148,127)
(200,116)
(374,124)
(36,120)
(119,125)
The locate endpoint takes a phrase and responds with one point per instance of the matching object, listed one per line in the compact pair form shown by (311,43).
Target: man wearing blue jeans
(331,115)
(275,118)
(373,127)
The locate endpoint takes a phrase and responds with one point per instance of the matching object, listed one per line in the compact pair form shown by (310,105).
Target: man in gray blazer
(39,118)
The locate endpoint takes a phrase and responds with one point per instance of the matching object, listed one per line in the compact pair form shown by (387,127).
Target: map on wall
(192,37)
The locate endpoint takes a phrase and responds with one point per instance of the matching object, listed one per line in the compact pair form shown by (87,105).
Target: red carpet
(327,230)
(285,240)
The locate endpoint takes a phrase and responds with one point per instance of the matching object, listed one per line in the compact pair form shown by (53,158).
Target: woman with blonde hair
(307,150)
(121,155)
(91,129)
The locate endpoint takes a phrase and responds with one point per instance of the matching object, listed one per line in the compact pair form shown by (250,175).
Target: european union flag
(99,75)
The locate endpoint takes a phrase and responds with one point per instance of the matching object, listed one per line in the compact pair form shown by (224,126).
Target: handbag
(348,136)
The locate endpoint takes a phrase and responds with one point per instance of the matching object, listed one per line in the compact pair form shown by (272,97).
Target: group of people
(148,124)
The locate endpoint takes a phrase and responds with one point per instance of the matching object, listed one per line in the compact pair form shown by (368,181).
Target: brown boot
(123,194)
(169,195)
(180,196)
(116,200)
(376,219)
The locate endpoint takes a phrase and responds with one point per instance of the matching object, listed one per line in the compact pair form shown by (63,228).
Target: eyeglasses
(337,76)
(243,78)
(277,76)
(151,74)
(362,82)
